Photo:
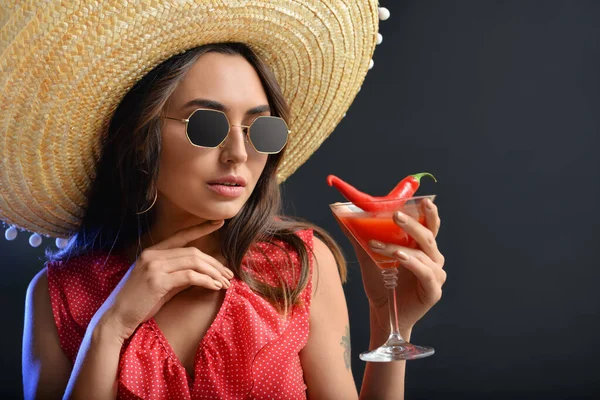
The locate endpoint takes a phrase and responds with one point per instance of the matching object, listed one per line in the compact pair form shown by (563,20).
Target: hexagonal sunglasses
(210,128)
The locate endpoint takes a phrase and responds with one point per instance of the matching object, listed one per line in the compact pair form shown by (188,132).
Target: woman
(183,279)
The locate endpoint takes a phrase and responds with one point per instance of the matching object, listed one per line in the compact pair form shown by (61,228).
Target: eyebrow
(215,105)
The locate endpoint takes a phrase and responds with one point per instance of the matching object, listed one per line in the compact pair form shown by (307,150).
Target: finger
(200,258)
(188,277)
(191,252)
(228,273)
(422,235)
(191,263)
(389,250)
(432,218)
(428,279)
(185,236)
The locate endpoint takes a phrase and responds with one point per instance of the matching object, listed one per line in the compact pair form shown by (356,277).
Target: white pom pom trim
(61,243)
(11,233)
(35,240)
(379,38)
(384,13)
(371,63)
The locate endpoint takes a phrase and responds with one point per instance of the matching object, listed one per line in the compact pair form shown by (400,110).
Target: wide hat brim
(65,68)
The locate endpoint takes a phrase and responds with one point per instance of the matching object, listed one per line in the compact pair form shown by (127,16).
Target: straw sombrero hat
(65,66)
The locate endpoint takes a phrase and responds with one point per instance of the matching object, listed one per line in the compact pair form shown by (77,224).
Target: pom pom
(344,116)
(11,233)
(35,240)
(379,38)
(61,243)
(384,13)
(371,63)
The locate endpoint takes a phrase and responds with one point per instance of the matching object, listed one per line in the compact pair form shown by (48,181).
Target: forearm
(383,380)
(94,374)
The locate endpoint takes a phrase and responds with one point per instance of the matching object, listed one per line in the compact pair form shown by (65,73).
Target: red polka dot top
(249,351)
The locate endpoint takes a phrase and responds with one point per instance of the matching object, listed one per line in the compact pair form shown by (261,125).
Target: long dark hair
(127,173)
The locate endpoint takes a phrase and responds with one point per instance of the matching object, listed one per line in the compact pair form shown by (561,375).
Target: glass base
(396,349)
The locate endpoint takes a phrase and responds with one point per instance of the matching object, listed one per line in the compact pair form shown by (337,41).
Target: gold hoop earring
(151,205)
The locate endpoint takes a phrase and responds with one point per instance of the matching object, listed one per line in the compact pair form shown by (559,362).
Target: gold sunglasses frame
(245,129)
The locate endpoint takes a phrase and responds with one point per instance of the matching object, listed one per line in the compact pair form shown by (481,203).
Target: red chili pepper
(408,186)
(403,190)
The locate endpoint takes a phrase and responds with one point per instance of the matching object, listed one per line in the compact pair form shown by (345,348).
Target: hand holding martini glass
(370,218)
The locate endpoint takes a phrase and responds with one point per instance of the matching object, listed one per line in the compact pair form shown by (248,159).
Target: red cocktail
(379,227)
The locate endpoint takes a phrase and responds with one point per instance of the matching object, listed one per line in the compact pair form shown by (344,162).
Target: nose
(234,148)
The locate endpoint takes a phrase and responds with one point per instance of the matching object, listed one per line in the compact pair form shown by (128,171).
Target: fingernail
(377,245)
(401,218)
(216,222)
(229,273)
(429,204)
(227,284)
(402,256)
(217,283)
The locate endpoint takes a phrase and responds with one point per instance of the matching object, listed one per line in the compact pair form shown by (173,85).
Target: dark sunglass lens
(207,128)
(268,134)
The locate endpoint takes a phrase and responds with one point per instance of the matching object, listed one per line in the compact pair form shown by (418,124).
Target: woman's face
(188,173)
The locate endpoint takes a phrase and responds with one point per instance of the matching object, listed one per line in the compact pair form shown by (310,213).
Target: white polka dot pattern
(249,351)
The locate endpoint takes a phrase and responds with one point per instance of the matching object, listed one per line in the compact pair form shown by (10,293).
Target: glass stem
(390,278)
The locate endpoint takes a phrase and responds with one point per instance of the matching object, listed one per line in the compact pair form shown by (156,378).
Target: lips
(228,186)
(229,181)
(227,191)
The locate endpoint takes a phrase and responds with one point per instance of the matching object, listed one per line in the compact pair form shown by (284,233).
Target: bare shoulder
(45,367)
(325,267)
(37,291)
(37,302)
(323,253)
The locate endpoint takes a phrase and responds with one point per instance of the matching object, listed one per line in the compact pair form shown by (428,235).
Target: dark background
(499,99)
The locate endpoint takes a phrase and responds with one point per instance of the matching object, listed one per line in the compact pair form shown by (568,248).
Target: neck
(166,225)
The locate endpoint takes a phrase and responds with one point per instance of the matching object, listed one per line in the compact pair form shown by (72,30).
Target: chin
(224,210)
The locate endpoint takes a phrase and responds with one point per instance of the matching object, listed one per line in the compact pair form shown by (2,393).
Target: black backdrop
(499,100)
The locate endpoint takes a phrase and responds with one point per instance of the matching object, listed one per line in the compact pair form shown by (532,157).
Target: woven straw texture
(65,66)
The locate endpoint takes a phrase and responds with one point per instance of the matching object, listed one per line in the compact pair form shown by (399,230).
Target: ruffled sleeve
(77,288)
(270,261)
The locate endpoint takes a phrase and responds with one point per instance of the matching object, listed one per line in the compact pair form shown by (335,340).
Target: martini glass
(368,225)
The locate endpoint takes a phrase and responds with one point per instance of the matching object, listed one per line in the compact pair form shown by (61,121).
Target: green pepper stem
(422,174)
